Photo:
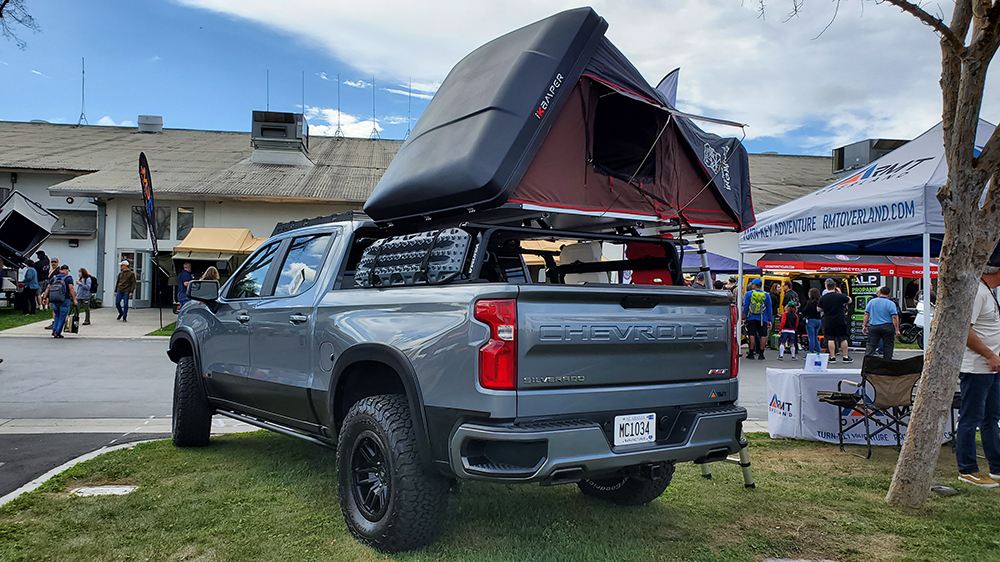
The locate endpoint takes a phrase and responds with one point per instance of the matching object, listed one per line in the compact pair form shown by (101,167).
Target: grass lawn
(263,496)
(164,331)
(10,318)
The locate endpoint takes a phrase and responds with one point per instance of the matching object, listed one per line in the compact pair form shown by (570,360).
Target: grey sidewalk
(103,324)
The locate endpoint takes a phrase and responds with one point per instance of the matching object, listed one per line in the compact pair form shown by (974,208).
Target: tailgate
(577,337)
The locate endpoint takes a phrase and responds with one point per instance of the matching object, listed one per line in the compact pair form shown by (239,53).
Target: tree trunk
(971,234)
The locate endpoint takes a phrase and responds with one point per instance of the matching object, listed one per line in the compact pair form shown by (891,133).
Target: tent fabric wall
(562,176)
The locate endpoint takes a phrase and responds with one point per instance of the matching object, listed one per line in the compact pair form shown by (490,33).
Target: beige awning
(216,241)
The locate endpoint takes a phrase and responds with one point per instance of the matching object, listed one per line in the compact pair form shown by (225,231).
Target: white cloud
(107,121)
(155,58)
(323,123)
(4,63)
(873,73)
(416,94)
(357,84)
(40,74)
(392,120)
(322,76)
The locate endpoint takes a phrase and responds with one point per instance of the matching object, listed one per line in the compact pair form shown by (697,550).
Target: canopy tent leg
(927,288)
(739,291)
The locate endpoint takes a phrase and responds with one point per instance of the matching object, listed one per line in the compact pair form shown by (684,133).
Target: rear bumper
(565,451)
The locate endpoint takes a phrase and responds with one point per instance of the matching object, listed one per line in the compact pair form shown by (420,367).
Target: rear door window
(249,282)
(302,264)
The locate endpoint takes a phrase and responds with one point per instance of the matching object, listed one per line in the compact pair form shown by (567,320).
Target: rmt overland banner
(889,200)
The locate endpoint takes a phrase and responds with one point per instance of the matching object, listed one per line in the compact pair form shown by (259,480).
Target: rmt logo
(783,409)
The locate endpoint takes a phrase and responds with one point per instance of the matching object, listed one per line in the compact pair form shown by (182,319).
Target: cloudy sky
(804,84)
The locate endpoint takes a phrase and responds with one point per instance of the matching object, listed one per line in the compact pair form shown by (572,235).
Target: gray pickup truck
(428,358)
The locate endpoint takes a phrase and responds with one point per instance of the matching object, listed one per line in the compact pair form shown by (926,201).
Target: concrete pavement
(103,324)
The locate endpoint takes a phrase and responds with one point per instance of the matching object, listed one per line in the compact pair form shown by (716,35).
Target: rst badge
(543,106)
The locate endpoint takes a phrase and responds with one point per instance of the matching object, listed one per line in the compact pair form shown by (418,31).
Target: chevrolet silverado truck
(427,358)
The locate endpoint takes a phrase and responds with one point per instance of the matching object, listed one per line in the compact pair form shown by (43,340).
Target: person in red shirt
(789,328)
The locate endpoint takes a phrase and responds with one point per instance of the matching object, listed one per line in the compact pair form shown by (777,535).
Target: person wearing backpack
(60,293)
(757,318)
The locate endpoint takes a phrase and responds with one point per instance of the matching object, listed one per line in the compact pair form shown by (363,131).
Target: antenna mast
(83,93)
(374,134)
(409,119)
(267,90)
(303,92)
(339,132)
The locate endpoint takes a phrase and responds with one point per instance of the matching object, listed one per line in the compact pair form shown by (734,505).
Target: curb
(30,486)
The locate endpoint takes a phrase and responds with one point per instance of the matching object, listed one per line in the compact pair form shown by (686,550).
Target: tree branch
(989,159)
(947,35)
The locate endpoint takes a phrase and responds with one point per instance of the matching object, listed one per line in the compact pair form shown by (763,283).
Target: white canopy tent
(889,207)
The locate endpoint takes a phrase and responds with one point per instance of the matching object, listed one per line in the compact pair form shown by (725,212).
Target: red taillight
(734,354)
(498,357)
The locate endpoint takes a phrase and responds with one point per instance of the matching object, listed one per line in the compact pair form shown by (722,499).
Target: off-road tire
(417,499)
(624,490)
(191,424)
(908,334)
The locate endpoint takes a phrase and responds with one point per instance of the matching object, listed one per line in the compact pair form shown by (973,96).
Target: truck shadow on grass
(262,496)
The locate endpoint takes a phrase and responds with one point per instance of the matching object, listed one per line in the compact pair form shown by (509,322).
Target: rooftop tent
(884,208)
(552,120)
(717,263)
(215,240)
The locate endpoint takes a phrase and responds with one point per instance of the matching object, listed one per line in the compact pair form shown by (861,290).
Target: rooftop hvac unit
(862,153)
(274,130)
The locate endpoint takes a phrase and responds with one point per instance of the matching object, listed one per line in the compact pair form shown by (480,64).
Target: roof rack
(283,227)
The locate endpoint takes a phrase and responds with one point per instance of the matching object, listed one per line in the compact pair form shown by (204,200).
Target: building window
(185,221)
(162,226)
(139,230)
(161,216)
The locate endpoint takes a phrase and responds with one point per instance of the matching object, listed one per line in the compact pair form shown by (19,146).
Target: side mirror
(204,291)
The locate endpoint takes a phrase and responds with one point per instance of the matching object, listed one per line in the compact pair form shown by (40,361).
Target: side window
(302,264)
(249,282)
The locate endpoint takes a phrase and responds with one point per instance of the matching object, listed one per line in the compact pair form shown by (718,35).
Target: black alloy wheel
(370,480)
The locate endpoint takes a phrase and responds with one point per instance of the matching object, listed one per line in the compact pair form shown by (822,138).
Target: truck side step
(275,428)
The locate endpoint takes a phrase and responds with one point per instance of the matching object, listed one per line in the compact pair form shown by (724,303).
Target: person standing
(881,323)
(833,306)
(789,328)
(124,289)
(53,272)
(211,274)
(183,278)
(980,381)
(813,320)
(757,316)
(30,291)
(60,293)
(85,285)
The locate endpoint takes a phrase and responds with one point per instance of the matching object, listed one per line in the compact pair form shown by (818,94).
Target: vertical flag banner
(147,197)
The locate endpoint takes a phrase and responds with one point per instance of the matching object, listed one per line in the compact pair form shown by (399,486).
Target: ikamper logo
(783,409)
(549,94)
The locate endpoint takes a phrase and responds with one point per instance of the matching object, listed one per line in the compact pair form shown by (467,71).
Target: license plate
(635,428)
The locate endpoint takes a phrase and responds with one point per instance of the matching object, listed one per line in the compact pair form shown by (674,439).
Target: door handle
(243,317)
(298,318)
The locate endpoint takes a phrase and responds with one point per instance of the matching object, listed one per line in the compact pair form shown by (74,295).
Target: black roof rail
(283,227)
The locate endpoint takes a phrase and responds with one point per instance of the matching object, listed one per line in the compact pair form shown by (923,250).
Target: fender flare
(186,334)
(394,359)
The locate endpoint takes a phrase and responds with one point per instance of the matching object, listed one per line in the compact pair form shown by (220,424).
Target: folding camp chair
(881,401)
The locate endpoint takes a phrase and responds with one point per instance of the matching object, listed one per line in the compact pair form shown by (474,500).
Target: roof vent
(280,138)
(150,123)
(860,154)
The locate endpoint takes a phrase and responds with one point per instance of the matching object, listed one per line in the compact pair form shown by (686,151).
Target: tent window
(624,132)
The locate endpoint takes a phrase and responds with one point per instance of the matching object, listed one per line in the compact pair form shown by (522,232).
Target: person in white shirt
(980,380)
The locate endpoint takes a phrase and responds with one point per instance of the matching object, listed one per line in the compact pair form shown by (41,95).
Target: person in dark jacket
(812,319)
(124,290)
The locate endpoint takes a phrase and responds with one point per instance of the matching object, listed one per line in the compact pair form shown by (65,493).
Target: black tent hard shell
(552,119)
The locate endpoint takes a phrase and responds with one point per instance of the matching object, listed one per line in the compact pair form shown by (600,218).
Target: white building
(88,176)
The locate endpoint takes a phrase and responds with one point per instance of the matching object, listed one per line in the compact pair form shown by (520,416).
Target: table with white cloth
(794,411)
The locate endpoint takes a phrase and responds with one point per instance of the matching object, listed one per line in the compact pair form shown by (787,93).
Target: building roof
(778,178)
(192,164)
(216,165)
